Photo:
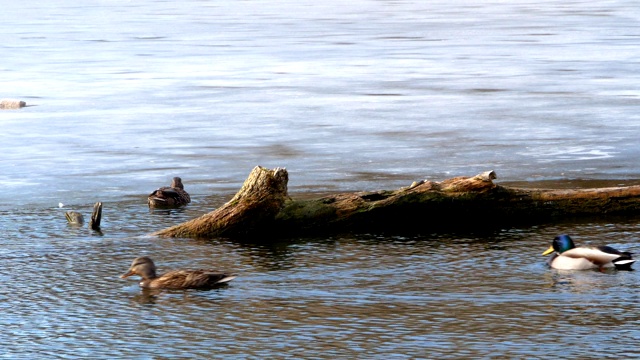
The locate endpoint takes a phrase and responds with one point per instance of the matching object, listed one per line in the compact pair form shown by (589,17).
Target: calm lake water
(353,96)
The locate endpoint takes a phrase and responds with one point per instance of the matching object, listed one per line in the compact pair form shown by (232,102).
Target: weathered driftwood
(76,219)
(12,104)
(253,208)
(96,217)
(462,203)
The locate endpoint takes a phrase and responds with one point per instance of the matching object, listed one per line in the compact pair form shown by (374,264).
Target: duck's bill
(549,251)
(127,274)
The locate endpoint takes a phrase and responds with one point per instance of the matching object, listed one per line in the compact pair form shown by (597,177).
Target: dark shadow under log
(462,203)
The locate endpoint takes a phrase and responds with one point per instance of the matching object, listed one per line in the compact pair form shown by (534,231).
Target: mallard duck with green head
(566,256)
(168,197)
(177,279)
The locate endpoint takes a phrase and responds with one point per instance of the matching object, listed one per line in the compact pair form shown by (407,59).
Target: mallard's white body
(566,256)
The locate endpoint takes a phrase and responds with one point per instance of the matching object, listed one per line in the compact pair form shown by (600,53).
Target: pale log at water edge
(12,104)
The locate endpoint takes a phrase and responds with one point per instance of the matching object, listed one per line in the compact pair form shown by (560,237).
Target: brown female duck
(172,196)
(176,279)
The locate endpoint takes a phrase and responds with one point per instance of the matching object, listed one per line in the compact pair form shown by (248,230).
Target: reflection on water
(385,296)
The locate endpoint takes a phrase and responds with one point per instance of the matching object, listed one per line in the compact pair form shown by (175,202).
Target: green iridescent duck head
(561,243)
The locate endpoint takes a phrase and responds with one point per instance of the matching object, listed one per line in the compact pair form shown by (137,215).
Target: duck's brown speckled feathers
(172,196)
(176,279)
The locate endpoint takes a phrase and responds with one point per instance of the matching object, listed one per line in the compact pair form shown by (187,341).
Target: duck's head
(561,243)
(142,266)
(177,183)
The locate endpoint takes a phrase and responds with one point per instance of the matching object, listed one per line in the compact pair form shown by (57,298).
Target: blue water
(353,96)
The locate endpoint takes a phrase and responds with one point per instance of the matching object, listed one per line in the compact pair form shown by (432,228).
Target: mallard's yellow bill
(549,251)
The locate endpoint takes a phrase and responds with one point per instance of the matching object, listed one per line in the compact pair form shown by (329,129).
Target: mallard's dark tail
(624,262)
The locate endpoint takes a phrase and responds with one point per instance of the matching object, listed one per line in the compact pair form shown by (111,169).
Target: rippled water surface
(358,95)
(345,296)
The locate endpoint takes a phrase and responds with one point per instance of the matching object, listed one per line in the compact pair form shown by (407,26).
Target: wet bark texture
(251,210)
(462,203)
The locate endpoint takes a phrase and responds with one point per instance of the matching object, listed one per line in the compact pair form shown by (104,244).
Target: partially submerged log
(252,209)
(425,206)
(12,104)
(75,218)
